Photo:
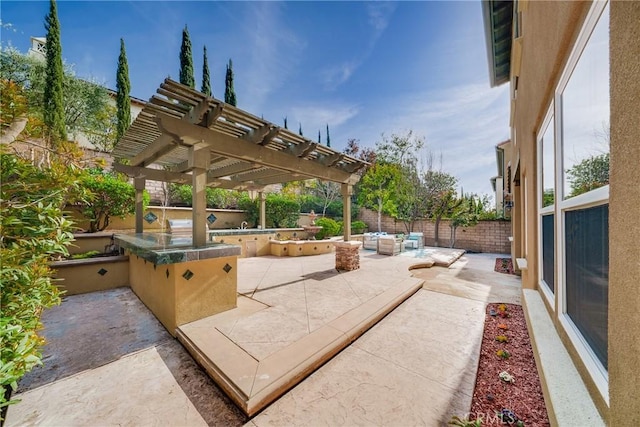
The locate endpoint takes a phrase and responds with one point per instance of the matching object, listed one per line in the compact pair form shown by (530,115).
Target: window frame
(596,197)
(549,120)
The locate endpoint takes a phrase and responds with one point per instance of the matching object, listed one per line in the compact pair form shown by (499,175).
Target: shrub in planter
(109,195)
(329,226)
(358,227)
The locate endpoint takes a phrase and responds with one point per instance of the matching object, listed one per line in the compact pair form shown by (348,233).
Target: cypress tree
(186,60)
(285,123)
(300,130)
(229,92)
(318,137)
(123,87)
(53,114)
(328,139)
(206,80)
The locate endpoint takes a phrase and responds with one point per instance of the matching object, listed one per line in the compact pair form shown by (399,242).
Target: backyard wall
(486,236)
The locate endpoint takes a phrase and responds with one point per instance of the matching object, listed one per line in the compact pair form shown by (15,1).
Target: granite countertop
(164,248)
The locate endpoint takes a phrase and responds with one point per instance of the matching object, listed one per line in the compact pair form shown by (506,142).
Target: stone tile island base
(183,284)
(347,255)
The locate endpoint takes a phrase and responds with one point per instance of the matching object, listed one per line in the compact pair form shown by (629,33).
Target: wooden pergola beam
(229,146)
(153,174)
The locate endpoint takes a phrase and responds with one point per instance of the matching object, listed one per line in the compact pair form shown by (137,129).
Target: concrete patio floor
(415,367)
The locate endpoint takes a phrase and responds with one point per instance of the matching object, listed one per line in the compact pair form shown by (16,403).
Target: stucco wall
(486,236)
(549,30)
(624,214)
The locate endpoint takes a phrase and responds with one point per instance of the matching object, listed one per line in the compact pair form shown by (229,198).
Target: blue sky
(363,68)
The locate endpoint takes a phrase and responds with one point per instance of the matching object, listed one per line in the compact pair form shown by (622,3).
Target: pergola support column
(199,160)
(263,210)
(347,191)
(139,185)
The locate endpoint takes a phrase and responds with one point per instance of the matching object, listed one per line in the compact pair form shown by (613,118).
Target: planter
(79,276)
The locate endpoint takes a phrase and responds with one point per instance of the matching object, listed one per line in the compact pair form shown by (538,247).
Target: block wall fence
(486,236)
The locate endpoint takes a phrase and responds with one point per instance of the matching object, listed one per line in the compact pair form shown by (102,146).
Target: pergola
(185,136)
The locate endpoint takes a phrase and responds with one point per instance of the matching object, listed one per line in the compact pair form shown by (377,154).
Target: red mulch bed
(504,265)
(492,395)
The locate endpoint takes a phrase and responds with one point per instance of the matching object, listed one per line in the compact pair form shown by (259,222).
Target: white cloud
(273,54)
(379,15)
(316,117)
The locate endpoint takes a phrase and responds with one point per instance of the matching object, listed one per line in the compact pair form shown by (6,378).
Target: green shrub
(358,227)
(110,195)
(329,226)
(217,198)
(282,211)
(33,231)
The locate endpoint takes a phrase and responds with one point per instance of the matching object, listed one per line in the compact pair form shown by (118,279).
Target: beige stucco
(176,300)
(300,247)
(624,214)
(83,275)
(549,31)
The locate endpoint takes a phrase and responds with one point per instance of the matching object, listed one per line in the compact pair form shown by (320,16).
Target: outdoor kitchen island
(178,282)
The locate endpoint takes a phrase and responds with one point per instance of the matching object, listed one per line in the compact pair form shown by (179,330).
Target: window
(546,204)
(585,117)
(581,197)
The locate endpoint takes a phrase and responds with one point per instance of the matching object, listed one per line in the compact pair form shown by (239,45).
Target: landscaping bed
(516,398)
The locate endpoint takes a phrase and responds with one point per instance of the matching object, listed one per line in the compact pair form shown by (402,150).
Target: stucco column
(347,191)
(263,210)
(199,161)
(139,184)
(624,214)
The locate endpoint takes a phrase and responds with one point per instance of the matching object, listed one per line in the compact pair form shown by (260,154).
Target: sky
(366,69)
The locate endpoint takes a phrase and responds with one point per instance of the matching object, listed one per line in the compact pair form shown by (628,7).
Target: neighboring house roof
(498,19)
(133,99)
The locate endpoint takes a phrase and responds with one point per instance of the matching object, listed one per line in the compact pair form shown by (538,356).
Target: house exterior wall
(624,214)
(549,32)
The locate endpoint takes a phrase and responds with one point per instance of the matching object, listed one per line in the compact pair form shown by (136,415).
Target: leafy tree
(206,79)
(366,154)
(123,88)
(327,192)
(53,112)
(229,92)
(466,212)
(109,196)
(186,60)
(328,138)
(377,189)
(589,174)
(439,195)
(408,195)
(86,104)
(33,230)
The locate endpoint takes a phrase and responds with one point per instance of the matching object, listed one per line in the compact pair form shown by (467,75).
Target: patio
(416,366)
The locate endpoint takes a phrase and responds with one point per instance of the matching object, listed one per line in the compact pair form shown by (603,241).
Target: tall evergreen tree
(285,123)
(300,130)
(229,92)
(328,139)
(206,79)
(54,119)
(123,88)
(318,137)
(186,60)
